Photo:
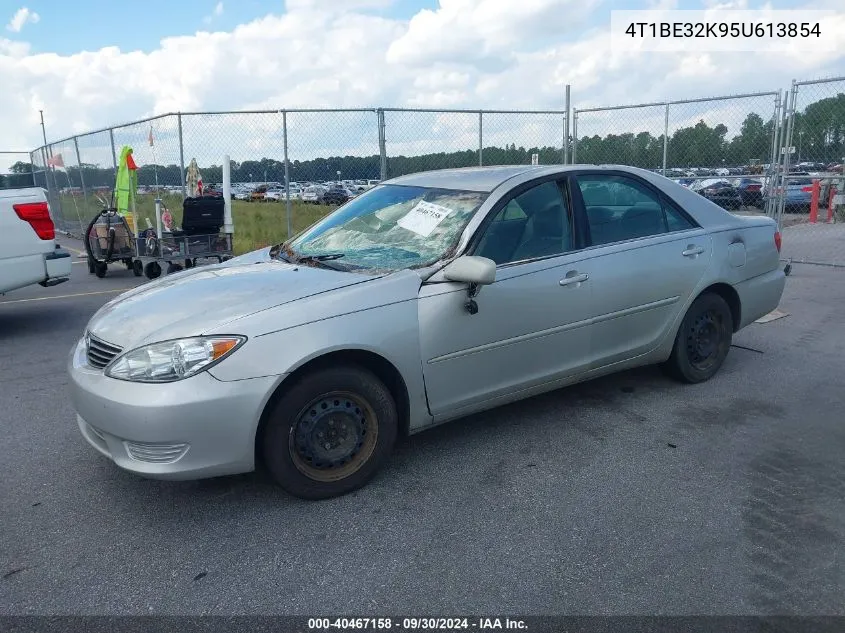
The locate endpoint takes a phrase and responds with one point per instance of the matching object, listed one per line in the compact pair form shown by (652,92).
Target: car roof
(487,179)
(466,178)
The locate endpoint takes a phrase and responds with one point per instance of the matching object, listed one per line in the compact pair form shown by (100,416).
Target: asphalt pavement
(631,494)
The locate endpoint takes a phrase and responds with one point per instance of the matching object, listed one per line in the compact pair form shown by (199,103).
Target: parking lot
(631,494)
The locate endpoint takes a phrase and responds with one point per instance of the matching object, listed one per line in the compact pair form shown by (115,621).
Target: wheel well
(731,297)
(371,361)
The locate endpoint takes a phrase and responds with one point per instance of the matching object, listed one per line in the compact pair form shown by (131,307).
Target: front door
(532,322)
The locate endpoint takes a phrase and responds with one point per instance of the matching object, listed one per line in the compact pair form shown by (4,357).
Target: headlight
(172,360)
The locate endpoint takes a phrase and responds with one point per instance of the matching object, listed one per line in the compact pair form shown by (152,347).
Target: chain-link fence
(765,144)
(287,150)
(697,138)
(781,154)
(812,207)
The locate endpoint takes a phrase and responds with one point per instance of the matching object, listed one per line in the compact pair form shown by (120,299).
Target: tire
(92,266)
(189,263)
(351,397)
(152,270)
(173,268)
(101,269)
(137,267)
(703,340)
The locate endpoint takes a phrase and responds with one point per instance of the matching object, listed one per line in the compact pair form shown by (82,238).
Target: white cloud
(498,54)
(216,13)
(21,17)
(485,32)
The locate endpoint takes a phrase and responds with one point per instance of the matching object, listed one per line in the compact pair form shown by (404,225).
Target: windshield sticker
(424,218)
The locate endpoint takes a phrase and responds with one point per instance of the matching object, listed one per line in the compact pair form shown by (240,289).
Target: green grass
(257,224)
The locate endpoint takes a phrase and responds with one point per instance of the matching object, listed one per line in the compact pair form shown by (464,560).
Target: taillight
(807,189)
(753,187)
(777,240)
(38,216)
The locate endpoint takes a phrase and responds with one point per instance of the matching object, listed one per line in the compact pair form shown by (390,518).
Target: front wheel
(703,340)
(330,432)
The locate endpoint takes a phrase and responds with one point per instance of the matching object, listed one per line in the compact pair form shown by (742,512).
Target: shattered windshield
(390,227)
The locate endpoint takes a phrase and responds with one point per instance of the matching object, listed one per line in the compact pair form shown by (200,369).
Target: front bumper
(189,429)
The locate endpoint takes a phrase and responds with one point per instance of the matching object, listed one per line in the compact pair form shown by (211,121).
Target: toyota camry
(427,298)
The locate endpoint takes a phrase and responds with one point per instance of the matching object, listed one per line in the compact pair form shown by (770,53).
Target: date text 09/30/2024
(416,624)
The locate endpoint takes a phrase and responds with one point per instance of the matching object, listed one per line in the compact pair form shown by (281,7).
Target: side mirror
(472,270)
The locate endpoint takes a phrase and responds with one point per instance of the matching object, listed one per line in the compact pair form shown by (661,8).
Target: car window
(620,208)
(535,223)
(391,227)
(675,220)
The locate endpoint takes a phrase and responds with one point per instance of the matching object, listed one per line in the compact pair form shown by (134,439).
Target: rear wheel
(100,269)
(137,267)
(92,266)
(330,432)
(703,340)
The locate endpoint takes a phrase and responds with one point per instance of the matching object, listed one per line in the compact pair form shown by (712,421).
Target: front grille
(100,353)
(155,453)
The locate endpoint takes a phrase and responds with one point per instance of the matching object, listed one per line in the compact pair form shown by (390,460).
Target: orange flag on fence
(55,161)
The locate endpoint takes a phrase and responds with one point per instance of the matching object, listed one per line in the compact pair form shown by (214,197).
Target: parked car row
(735,193)
(755,168)
(331,192)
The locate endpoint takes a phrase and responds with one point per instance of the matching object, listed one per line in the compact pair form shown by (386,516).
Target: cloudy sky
(92,63)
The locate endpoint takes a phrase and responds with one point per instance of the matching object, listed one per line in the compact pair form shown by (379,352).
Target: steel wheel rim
(333,436)
(705,340)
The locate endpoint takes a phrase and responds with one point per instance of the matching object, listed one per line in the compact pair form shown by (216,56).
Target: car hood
(199,300)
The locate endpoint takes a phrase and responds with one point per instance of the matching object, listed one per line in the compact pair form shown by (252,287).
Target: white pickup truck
(28,250)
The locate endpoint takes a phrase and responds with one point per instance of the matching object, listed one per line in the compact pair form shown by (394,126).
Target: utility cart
(151,251)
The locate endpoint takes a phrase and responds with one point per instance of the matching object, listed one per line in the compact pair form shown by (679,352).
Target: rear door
(648,257)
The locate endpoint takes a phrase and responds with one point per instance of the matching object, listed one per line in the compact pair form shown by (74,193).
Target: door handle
(574,279)
(692,251)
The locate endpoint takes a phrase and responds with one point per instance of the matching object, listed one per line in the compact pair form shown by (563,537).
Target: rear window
(800,181)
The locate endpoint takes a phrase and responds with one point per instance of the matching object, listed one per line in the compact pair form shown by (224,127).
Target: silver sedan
(429,297)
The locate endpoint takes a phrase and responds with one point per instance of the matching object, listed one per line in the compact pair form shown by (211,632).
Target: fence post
(287,172)
(575,136)
(774,129)
(773,198)
(181,155)
(46,175)
(774,160)
(790,120)
(565,148)
(81,176)
(480,138)
(665,137)
(382,144)
(113,151)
